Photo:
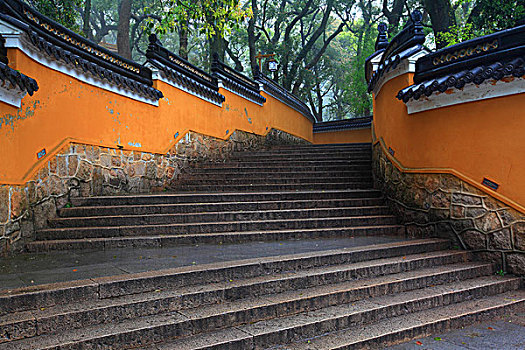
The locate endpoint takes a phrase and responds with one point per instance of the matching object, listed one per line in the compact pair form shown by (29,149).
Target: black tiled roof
(62,44)
(477,75)
(403,45)
(235,81)
(391,63)
(273,88)
(345,124)
(183,72)
(16,79)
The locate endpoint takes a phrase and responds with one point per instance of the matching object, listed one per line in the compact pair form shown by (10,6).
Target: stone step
(341,146)
(282,175)
(213,227)
(353,320)
(304,153)
(272,168)
(253,299)
(221,306)
(340,157)
(155,219)
(275,180)
(423,323)
(111,210)
(276,187)
(211,197)
(157,241)
(296,162)
(35,297)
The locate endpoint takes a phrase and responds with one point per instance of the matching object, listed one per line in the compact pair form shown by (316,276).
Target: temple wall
(66,110)
(100,142)
(431,166)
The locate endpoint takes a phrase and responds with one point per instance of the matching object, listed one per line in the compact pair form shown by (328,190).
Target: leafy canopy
(211,17)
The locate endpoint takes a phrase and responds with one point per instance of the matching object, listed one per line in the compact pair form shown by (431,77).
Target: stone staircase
(286,193)
(348,298)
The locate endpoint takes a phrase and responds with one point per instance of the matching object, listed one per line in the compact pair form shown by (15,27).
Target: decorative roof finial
(382,38)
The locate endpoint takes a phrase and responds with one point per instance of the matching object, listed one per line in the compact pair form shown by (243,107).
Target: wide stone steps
(155,209)
(198,187)
(219,181)
(213,197)
(271,168)
(311,157)
(296,162)
(213,227)
(410,326)
(347,154)
(322,148)
(212,238)
(298,292)
(367,323)
(255,303)
(164,218)
(38,296)
(242,174)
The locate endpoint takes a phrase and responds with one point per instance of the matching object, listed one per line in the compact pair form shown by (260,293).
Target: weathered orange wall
(65,110)
(471,140)
(343,136)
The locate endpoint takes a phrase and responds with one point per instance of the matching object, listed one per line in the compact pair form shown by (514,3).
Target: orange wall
(343,136)
(472,140)
(65,109)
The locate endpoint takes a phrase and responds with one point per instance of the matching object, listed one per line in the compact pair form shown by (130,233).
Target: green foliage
(486,17)
(458,34)
(500,273)
(494,15)
(359,99)
(211,17)
(61,11)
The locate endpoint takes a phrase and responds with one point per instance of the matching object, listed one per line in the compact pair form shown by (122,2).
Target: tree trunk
(251,36)
(123,44)
(86,28)
(217,45)
(393,16)
(183,42)
(442,18)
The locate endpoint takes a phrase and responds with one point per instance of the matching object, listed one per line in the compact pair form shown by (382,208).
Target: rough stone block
(42,212)
(62,168)
(516,263)
(431,182)
(461,225)
(518,231)
(72,165)
(440,199)
(500,240)
(488,222)
(507,218)
(449,182)
(466,199)
(85,171)
(18,202)
(474,240)
(435,214)
(458,211)
(53,167)
(475,212)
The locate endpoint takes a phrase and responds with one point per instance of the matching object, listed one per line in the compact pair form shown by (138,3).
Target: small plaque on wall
(490,184)
(41,153)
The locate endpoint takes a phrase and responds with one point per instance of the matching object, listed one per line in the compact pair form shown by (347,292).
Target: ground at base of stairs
(30,269)
(505,333)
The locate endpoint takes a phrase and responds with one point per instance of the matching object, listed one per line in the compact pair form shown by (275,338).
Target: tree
(61,11)
(123,43)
